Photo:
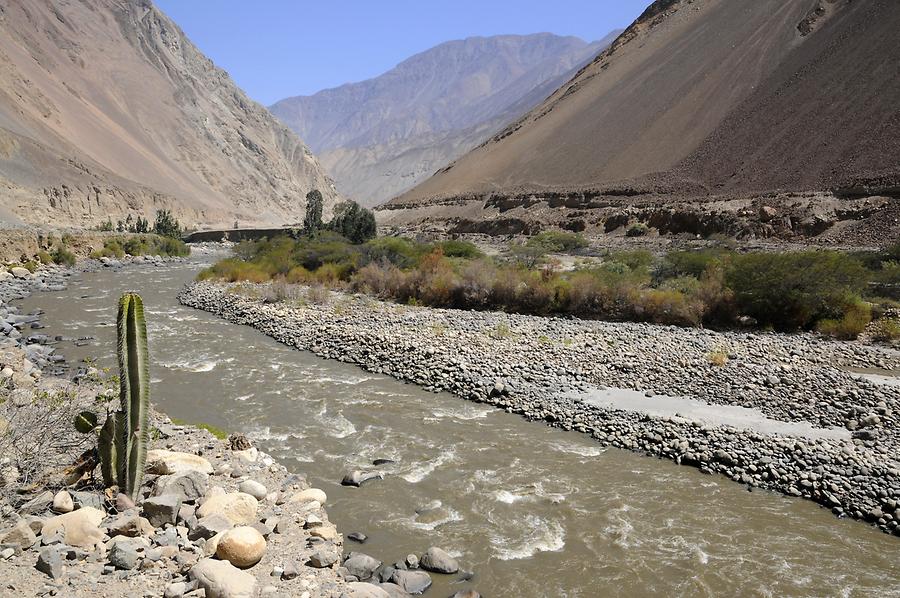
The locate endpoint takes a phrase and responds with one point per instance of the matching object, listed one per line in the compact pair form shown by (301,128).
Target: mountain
(764,118)
(380,137)
(106,109)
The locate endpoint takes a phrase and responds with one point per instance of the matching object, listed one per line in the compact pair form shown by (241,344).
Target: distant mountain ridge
(381,136)
(106,109)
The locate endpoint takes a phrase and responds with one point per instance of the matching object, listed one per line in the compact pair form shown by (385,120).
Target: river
(533,511)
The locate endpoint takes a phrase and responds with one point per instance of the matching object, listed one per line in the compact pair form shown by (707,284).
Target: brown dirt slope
(827,118)
(697,100)
(106,108)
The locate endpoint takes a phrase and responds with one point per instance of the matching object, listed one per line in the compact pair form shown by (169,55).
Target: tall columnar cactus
(134,392)
(122,442)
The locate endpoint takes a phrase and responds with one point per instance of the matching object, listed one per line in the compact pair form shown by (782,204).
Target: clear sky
(279,48)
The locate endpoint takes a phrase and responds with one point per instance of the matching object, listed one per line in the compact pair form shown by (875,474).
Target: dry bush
(37,437)
(669,306)
(718,356)
(383,280)
(318,295)
(298,275)
(476,283)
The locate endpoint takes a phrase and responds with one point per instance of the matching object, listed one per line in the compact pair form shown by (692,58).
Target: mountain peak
(381,136)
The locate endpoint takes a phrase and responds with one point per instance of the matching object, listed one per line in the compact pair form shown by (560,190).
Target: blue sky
(280,48)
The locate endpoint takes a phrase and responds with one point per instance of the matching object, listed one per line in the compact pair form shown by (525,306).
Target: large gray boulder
(160,510)
(412,582)
(437,560)
(361,566)
(190,485)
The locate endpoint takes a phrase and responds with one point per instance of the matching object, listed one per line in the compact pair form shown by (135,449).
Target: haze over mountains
(107,109)
(698,101)
(380,137)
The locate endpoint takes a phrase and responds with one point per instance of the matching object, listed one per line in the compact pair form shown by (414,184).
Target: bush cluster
(118,247)
(784,291)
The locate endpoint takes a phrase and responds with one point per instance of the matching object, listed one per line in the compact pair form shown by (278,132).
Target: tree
(353,222)
(313,220)
(166,225)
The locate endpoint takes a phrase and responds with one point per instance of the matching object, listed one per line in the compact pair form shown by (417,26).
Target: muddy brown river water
(532,511)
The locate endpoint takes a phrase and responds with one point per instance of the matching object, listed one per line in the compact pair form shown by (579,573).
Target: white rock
(242,547)
(164,462)
(20,272)
(221,579)
(82,527)
(238,507)
(248,456)
(254,489)
(62,502)
(309,495)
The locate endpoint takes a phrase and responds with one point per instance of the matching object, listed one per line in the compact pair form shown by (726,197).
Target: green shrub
(233,270)
(166,225)
(688,263)
(63,257)
(555,241)
(639,261)
(638,229)
(398,251)
(312,220)
(31,266)
(44,257)
(112,248)
(461,249)
(793,290)
(886,329)
(353,222)
(850,325)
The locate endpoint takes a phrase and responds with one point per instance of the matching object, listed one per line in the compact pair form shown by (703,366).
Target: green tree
(313,220)
(353,222)
(166,225)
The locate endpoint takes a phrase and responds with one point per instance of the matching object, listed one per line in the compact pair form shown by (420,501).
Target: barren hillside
(693,117)
(106,108)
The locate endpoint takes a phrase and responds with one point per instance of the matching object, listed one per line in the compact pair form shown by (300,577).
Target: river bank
(202,496)
(552,369)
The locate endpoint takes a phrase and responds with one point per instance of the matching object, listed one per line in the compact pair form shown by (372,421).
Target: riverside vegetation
(837,293)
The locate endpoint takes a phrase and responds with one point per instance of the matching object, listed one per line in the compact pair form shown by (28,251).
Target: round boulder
(243,547)
(254,489)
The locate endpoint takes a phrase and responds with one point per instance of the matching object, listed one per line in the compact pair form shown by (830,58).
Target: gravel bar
(539,367)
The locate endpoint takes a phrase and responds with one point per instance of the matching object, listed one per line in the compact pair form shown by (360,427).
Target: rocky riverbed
(215,518)
(547,369)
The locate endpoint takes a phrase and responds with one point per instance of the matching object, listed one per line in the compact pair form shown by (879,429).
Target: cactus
(122,441)
(134,391)
(110,446)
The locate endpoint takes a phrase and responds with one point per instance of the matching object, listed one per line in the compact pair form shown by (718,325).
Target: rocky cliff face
(106,109)
(380,137)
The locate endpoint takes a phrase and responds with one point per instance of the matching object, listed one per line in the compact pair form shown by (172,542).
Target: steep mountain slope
(699,113)
(107,109)
(381,136)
